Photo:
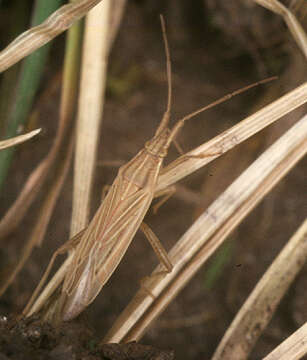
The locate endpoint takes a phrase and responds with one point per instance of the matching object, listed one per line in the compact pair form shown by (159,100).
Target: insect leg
(157,247)
(166,194)
(70,244)
(161,254)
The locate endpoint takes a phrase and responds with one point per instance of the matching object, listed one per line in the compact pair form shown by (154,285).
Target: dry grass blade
(209,232)
(38,176)
(39,229)
(186,165)
(16,212)
(18,139)
(39,35)
(294,26)
(93,80)
(68,99)
(49,289)
(26,87)
(293,348)
(260,306)
(33,185)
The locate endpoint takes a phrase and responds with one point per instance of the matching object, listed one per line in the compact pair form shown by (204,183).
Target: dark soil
(216,47)
(32,339)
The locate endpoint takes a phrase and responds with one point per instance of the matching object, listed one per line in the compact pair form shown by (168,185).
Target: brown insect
(99,248)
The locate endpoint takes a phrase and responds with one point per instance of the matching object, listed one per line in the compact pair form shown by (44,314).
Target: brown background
(216,47)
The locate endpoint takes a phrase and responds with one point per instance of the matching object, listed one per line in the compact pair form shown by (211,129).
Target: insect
(99,248)
(120,215)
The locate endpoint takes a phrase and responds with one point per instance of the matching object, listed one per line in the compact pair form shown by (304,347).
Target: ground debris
(134,350)
(24,339)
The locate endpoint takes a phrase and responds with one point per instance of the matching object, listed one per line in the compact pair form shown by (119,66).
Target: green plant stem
(29,77)
(19,12)
(71,68)
(220,260)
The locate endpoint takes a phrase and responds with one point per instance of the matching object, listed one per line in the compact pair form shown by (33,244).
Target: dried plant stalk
(293,348)
(18,209)
(209,231)
(105,19)
(38,176)
(230,138)
(38,232)
(39,35)
(4,144)
(93,80)
(294,26)
(260,306)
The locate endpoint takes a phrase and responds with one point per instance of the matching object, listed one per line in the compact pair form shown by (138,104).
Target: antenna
(166,116)
(181,121)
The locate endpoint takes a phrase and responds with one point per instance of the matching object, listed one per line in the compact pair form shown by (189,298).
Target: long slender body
(113,227)
(115,223)
(99,248)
